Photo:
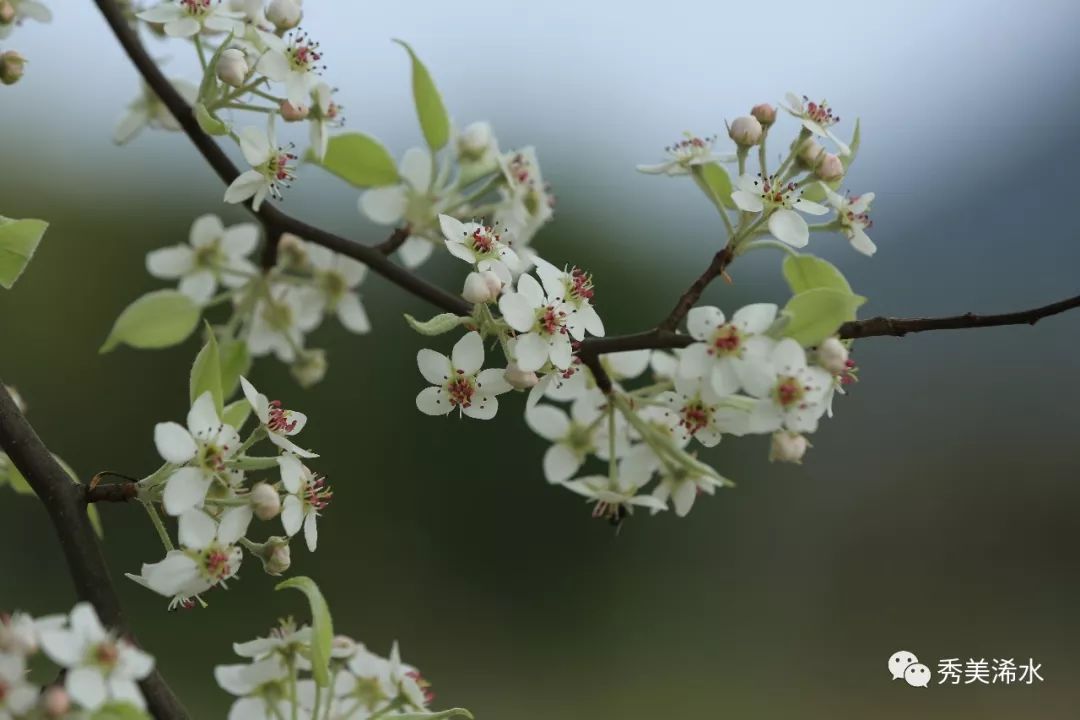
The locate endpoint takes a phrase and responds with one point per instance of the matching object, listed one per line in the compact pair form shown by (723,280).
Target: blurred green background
(936,513)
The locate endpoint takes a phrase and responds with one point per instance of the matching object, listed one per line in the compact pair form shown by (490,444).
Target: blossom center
(333,285)
(423,684)
(280,419)
(197,8)
(280,168)
(209,256)
(695,416)
(726,340)
(776,193)
(303,54)
(278,315)
(579,285)
(106,655)
(855,219)
(217,563)
(317,492)
(690,148)
(551,320)
(460,390)
(789,392)
(820,113)
(484,241)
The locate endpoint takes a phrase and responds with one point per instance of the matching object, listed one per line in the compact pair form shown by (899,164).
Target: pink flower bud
(342,646)
(265,501)
(745,131)
(284,14)
(294,113)
(7,12)
(279,559)
(55,702)
(12,65)
(787,447)
(765,114)
(520,379)
(830,168)
(232,67)
(833,356)
(475,140)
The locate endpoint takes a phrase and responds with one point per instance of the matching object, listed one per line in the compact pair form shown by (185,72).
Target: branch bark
(65,501)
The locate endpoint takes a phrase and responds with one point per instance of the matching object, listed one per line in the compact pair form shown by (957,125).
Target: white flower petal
(86,685)
(789,227)
(483,407)
(517,311)
(385,205)
(311,530)
(292,515)
(351,313)
(493,382)
(810,207)
(434,366)
(240,240)
(185,489)
(750,202)
(755,318)
(468,353)
(701,321)
(234,524)
(199,286)
(548,421)
(433,401)
(174,443)
(171,262)
(255,145)
(196,529)
(560,463)
(246,186)
(415,168)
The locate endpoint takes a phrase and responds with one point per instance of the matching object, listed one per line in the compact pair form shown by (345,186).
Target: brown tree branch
(65,501)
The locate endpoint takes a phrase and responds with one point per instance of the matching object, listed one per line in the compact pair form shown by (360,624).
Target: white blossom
(261,689)
(337,278)
(410,201)
(308,495)
(616,499)
(479,245)
(147,110)
(720,352)
(815,117)
(207,441)
(699,411)
(17,696)
(296,65)
(100,666)
(542,324)
(527,203)
(272,168)
(23,10)
(684,155)
(682,485)
(573,438)
(853,213)
(574,289)
(459,382)
(779,201)
(279,423)
(209,556)
(790,394)
(279,322)
(323,114)
(214,255)
(184,18)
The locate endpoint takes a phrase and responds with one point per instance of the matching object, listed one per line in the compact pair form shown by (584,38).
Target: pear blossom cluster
(208,483)
(99,669)
(275,680)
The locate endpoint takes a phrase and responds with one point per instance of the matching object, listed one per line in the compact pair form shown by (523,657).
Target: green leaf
(806,272)
(322,626)
(208,88)
(437,325)
(210,123)
(18,241)
(856,140)
(236,413)
(119,711)
(715,183)
(359,160)
(156,320)
(235,361)
(816,314)
(206,373)
(445,714)
(434,121)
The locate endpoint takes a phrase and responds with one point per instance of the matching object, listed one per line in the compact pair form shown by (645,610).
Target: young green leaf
(816,314)
(118,711)
(322,627)
(210,123)
(236,413)
(714,182)
(434,121)
(18,241)
(856,140)
(156,320)
(806,272)
(437,325)
(206,373)
(235,361)
(359,160)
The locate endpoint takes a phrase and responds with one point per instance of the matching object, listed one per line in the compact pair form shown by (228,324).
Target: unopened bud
(7,12)
(745,131)
(55,702)
(232,67)
(284,14)
(482,287)
(764,113)
(519,378)
(291,251)
(309,368)
(342,646)
(274,554)
(294,113)
(787,447)
(829,168)
(12,65)
(810,152)
(474,141)
(265,501)
(833,356)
